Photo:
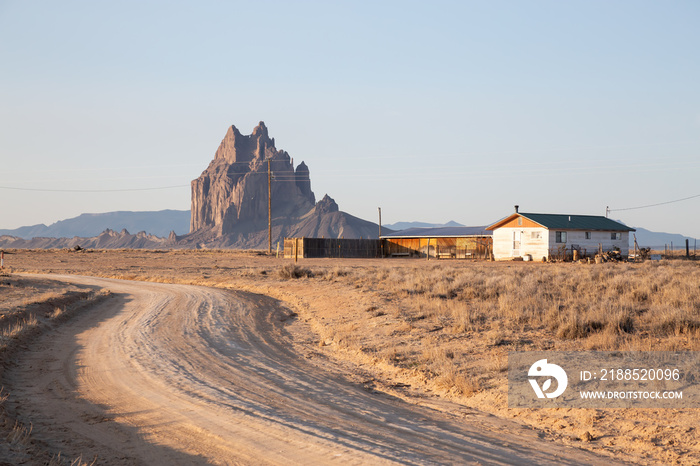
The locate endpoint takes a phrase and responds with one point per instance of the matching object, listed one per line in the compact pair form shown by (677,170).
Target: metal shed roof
(569,222)
(441,232)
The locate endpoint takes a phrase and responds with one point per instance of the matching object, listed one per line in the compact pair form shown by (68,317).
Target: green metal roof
(440,232)
(576,222)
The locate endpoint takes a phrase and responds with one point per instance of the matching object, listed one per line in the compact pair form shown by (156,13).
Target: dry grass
(632,302)
(58,461)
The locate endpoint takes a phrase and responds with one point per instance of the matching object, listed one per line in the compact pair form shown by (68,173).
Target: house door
(516,243)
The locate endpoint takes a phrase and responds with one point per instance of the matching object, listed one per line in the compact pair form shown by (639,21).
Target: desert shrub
(622,323)
(675,322)
(336,272)
(289,271)
(576,327)
(450,378)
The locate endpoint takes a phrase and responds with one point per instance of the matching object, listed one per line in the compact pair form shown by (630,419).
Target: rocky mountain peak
(231,194)
(326,205)
(230,198)
(237,147)
(260,130)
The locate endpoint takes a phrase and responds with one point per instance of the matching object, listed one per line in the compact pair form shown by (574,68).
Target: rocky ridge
(230,198)
(231,194)
(108,239)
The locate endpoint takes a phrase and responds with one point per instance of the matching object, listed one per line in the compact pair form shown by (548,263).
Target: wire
(93,190)
(654,205)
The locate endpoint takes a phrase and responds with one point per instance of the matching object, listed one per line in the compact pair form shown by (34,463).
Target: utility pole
(269,207)
(607,211)
(381,242)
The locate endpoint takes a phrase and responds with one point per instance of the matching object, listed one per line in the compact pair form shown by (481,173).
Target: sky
(433,111)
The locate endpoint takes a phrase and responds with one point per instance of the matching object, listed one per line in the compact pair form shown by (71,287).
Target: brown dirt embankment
(29,307)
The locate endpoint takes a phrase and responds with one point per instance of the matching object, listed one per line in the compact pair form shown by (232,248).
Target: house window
(588,235)
(616,235)
(560,236)
(535,235)
(520,221)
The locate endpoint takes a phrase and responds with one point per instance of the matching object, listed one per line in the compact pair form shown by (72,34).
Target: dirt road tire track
(178,374)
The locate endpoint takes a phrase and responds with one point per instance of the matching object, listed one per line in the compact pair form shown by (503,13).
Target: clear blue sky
(435,111)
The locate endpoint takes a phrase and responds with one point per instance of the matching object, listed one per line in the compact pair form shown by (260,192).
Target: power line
(93,190)
(654,205)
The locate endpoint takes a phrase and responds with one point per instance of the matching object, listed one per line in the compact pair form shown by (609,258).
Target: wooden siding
(527,223)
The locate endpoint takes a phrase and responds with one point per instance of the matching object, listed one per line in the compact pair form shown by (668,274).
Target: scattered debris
(645,253)
(613,255)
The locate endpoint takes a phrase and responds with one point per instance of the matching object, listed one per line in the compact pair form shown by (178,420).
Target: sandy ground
(376,396)
(179,374)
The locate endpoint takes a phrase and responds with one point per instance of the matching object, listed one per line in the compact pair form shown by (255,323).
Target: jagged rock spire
(232,191)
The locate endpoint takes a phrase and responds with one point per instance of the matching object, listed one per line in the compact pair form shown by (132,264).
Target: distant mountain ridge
(157,223)
(161,223)
(657,240)
(108,239)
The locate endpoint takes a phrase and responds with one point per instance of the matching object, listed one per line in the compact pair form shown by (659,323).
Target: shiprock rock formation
(230,198)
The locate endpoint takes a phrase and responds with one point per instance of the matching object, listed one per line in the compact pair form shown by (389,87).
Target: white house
(552,235)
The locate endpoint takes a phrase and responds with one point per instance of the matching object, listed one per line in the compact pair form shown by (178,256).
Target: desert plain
(240,357)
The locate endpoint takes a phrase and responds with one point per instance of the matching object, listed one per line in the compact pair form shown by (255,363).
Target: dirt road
(177,374)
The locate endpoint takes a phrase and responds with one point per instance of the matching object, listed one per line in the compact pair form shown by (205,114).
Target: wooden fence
(331,247)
